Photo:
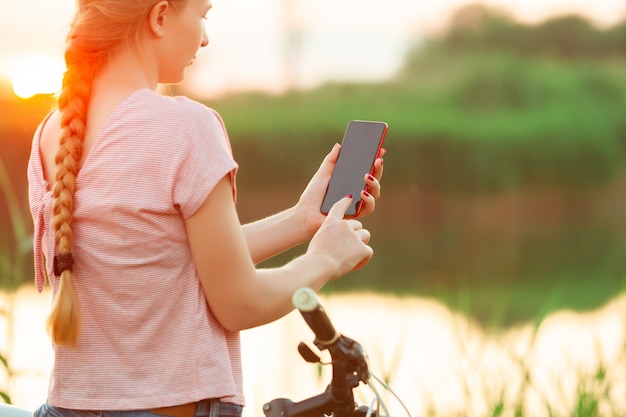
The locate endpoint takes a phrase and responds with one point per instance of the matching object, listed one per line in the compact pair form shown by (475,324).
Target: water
(435,360)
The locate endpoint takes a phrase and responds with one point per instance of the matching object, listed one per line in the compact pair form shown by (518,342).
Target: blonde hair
(99,29)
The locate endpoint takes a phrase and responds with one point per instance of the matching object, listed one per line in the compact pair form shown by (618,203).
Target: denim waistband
(205,408)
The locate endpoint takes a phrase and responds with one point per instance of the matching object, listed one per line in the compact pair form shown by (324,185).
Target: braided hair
(99,29)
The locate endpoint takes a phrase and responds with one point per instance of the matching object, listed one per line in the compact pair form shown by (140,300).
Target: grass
(527,383)
(6,313)
(13,264)
(13,260)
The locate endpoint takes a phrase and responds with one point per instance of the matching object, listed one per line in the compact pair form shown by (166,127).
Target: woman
(133,201)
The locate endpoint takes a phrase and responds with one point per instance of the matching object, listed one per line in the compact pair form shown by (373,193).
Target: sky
(331,40)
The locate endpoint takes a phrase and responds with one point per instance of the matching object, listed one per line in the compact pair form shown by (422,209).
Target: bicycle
(349,369)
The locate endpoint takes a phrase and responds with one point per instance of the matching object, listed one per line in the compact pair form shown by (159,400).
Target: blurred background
(504,193)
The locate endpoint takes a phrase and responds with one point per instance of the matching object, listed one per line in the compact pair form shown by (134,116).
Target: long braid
(99,28)
(73,103)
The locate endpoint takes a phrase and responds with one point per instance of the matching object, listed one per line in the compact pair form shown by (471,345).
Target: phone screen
(360,146)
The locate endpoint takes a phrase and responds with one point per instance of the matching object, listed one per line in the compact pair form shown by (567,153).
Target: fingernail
(349,196)
(370,177)
(366,193)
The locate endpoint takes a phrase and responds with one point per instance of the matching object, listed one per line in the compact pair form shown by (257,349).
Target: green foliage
(7,370)
(5,397)
(13,259)
(472,121)
(481,28)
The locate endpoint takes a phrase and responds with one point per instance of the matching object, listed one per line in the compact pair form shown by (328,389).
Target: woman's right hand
(344,241)
(243,296)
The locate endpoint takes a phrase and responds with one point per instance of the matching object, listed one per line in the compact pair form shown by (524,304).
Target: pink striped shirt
(148,338)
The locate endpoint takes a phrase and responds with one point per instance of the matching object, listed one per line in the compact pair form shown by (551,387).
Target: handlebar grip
(305,300)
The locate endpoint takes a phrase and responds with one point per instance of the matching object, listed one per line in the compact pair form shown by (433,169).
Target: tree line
(489,29)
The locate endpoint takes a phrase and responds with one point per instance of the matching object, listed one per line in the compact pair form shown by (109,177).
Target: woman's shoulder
(186,115)
(180,106)
(48,131)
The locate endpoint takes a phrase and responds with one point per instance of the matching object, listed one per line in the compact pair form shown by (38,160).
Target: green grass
(13,263)
(14,259)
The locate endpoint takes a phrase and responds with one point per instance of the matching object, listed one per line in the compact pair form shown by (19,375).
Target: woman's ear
(156,18)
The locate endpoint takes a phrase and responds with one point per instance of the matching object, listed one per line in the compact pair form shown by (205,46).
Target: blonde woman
(133,201)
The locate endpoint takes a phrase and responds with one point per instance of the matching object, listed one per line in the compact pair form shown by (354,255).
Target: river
(437,361)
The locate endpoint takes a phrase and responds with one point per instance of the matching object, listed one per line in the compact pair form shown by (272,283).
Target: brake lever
(344,349)
(351,352)
(307,353)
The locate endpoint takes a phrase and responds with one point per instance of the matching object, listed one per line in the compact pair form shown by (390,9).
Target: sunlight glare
(38,74)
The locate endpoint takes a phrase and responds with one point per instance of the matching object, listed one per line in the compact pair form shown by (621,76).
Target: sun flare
(37,74)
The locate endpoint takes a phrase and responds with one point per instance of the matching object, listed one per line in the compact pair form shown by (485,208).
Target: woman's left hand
(310,202)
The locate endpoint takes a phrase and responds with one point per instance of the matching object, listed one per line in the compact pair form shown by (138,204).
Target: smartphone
(359,148)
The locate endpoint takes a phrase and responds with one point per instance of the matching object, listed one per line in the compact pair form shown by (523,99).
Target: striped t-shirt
(148,338)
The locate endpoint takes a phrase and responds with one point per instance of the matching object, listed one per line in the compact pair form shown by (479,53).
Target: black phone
(360,147)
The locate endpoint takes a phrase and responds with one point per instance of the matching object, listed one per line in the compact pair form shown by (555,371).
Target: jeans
(204,409)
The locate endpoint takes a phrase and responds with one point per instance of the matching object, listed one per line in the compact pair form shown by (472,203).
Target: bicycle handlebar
(348,363)
(315,316)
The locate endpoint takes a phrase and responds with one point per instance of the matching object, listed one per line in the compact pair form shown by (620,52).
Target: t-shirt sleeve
(204,158)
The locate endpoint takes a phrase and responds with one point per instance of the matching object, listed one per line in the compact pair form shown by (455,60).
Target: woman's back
(151,165)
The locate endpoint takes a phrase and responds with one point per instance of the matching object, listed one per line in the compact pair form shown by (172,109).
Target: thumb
(328,164)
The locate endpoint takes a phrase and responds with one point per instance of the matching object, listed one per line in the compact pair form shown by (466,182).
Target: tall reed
(13,261)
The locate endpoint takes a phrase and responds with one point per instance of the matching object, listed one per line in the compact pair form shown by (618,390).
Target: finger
(377,172)
(373,186)
(328,164)
(338,210)
(355,224)
(368,204)
(364,235)
(365,260)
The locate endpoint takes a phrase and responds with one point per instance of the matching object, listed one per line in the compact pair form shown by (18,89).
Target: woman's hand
(308,207)
(343,241)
